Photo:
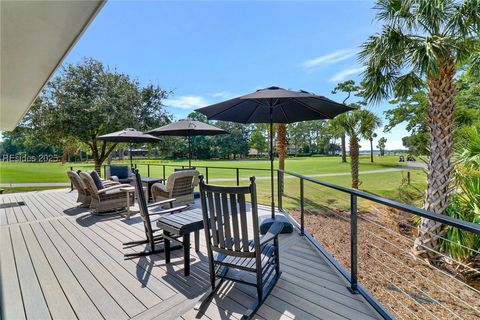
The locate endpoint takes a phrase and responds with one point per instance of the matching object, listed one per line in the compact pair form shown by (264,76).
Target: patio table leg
(186,254)
(197,241)
(166,244)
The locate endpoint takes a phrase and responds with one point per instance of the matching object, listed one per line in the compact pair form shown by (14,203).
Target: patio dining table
(148,182)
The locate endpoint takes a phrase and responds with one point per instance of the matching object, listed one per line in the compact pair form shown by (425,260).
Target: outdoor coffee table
(149,182)
(181,225)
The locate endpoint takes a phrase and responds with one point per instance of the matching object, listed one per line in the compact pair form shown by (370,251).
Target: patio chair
(105,199)
(82,191)
(152,239)
(228,245)
(122,174)
(180,185)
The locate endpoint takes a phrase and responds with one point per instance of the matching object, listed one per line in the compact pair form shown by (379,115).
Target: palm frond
(407,83)
(465,19)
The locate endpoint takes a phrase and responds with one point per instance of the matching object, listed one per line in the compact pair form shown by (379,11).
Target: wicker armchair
(83,194)
(107,199)
(180,185)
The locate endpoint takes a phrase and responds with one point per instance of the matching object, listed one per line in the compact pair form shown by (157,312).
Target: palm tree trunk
(282,151)
(441,93)
(344,146)
(371,150)
(354,161)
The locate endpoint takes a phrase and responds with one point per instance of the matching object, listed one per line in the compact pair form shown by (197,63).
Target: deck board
(59,261)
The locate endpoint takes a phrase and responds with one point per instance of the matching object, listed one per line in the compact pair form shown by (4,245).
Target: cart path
(66,184)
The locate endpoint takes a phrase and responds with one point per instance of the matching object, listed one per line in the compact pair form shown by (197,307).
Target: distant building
(252,152)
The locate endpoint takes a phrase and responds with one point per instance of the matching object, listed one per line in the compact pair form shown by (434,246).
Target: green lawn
(15,172)
(384,184)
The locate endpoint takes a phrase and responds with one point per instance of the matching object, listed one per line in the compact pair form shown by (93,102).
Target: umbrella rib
(251,114)
(284,113)
(313,109)
(216,114)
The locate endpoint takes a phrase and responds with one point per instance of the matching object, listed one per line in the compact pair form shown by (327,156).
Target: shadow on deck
(59,261)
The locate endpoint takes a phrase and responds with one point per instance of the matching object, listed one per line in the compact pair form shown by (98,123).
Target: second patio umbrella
(187,128)
(274,105)
(129,136)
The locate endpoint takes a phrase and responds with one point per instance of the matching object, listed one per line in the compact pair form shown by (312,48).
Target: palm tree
(369,125)
(282,143)
(354,124)
(422,43)
(337,130)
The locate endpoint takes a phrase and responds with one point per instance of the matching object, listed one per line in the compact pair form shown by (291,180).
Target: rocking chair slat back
(142,203)
(225,210)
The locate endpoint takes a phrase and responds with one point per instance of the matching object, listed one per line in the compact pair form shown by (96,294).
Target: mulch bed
(408,287)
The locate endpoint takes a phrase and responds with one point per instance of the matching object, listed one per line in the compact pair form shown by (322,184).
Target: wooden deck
(60,262)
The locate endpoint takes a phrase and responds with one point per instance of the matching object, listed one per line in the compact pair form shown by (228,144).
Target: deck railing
(352,275)
(296,197)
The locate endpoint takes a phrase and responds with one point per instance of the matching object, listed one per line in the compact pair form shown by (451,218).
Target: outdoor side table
(128,191)
(148,181)
(180,225)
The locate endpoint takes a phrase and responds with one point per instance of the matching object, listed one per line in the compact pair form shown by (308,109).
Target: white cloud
(342,75)
(329,58)
(187,102)
(222,94)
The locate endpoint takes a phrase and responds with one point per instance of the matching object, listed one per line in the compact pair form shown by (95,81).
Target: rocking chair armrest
(171,210)
(114,187)
(162,202)
(272,233)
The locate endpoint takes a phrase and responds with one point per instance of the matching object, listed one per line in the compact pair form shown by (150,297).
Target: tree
(235,143)
(420,45)
(369,124)
(349,87)
(381,143)
(257,141)
(88,99)
(354,123)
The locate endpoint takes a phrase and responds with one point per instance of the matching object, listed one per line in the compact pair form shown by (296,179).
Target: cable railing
(403,285)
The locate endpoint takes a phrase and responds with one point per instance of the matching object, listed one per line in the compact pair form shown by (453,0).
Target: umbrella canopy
(187,128)
(130,136)
(274,105)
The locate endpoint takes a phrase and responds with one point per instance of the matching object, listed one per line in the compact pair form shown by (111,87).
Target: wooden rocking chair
(153,240)
(228,245)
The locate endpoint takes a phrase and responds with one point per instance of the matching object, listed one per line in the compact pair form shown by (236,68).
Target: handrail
(354,193)
(465,225)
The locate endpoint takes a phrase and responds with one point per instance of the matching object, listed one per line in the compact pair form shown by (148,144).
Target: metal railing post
(238,176)
(206,173)
(105,171)
(163,172)
(71,183)
(302,208)
(148,169)
(353,244)
(280,189)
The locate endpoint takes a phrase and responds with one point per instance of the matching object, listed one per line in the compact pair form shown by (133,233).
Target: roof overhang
(35,38)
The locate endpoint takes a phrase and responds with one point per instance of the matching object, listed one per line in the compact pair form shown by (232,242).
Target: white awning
(35,38)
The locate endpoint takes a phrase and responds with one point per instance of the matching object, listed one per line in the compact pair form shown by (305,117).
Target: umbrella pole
(189,152)
(131,161)
(271,163)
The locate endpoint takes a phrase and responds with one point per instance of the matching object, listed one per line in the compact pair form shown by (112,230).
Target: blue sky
(210,51)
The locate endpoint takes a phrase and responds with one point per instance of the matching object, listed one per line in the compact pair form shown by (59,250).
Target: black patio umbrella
(129,136)
(187,128)
(274,105)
